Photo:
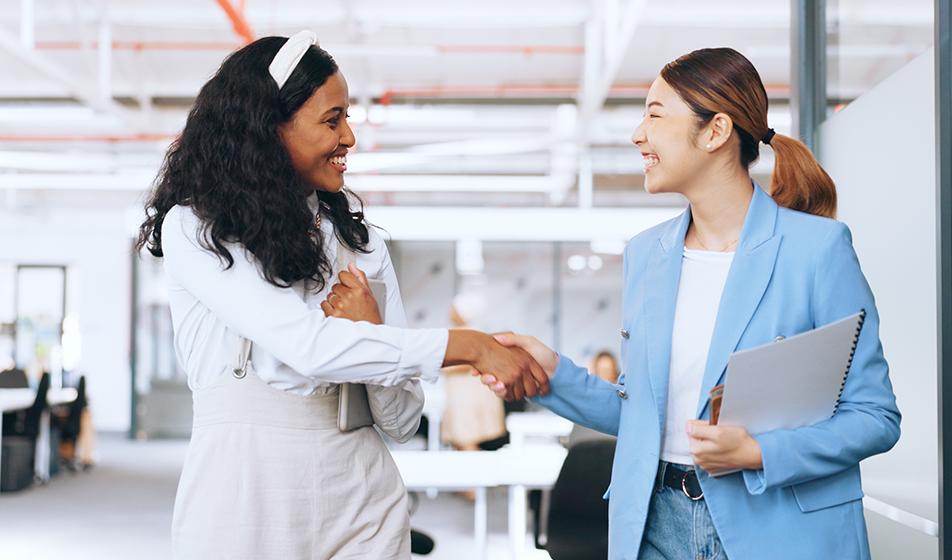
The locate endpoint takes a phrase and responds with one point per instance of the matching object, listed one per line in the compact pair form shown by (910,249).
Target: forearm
(582,398)
(804,454)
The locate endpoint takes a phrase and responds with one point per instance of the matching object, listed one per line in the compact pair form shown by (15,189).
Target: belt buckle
(684,488)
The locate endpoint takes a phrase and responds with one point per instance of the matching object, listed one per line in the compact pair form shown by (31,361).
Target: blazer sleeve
(867,420)
(585,399)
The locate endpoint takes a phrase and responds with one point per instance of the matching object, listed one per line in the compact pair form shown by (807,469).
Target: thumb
(361,277)
(507,338)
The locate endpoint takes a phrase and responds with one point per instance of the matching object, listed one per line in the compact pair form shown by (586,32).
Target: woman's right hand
(513,368)
(547,358)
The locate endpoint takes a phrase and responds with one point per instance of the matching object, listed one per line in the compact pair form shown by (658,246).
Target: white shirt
(296,348)
(703,275)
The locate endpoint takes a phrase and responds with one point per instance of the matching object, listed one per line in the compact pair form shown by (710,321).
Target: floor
(123,508)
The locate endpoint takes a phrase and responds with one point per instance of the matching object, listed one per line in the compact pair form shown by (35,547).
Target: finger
(518,393)
(327,308)
(499,388)
(510,339)
(488,379)
(359,274)
(530,386)
(703,449)
(540,376)
(339,290)
(701,430)
(348,279)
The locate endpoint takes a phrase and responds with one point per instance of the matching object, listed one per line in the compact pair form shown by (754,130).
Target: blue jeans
(679,528)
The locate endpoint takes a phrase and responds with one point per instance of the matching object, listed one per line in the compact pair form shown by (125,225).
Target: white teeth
(341,160)
(651,161)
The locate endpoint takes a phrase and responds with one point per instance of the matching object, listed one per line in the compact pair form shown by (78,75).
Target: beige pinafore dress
(268,475)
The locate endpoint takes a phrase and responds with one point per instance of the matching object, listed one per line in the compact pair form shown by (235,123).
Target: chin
(330,187)
(653,186)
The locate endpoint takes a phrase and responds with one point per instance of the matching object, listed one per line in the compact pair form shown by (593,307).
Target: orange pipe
(238,21)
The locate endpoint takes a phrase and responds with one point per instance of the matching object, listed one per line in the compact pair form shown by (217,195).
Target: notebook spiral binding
(849,363)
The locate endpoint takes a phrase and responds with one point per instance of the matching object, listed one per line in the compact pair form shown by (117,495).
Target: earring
(708,146)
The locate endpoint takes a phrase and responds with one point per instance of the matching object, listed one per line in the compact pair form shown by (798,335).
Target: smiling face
(318,136)
(669,140)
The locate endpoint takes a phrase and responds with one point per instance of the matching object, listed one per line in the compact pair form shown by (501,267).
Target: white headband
(290,55)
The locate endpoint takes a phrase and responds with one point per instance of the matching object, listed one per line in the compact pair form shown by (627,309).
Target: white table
(525,425)
(528,467)
(19,399)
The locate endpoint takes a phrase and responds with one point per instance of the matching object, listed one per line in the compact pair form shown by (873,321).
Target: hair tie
(289,55)
(769,136)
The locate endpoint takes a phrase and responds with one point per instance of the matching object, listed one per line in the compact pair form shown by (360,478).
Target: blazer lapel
(661,292)
(747,281)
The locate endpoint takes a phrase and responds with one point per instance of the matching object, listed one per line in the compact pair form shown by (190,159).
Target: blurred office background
(494,151)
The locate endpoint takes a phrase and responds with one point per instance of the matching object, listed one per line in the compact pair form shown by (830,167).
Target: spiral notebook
(794,382)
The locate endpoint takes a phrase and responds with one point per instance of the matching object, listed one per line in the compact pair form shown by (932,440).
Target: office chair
(578,516)
(19,448)
(13,379)
(66,419)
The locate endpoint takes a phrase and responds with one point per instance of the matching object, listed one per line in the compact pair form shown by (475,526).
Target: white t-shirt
(703,275)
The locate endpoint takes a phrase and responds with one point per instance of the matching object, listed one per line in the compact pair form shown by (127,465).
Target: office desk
(528,467)
(19,399)
(525,425)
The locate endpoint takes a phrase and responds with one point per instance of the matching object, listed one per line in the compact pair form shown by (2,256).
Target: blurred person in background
(605,366)
(471,414)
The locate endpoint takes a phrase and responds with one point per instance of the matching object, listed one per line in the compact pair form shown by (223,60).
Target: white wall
(880,150)
(96,248)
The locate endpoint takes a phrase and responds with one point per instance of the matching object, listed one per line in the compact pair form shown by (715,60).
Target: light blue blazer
(792,272)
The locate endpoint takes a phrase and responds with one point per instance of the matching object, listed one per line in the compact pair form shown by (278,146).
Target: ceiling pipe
(529,91)
(238,22)
(27,24)
(229,46)
(110,138)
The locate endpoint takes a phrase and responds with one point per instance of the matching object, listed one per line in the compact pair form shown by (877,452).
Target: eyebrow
(337,110)
(658,103)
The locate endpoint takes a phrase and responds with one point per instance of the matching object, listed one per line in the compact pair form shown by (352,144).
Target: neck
(718,210)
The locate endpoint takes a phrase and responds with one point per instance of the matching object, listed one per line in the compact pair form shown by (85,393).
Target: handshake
(512,366)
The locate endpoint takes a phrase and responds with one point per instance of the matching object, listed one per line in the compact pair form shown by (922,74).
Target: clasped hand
(351,298)
(514,369)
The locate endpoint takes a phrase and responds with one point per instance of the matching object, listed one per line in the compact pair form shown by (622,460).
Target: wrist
(464,347)
(754,456)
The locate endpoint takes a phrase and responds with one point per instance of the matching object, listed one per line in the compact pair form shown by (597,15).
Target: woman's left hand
(351,298)
(722,448)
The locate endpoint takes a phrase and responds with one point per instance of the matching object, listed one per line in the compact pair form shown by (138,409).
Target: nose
(638,136)
(347,137)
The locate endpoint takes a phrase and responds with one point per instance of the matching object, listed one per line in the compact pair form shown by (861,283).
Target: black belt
(680,478)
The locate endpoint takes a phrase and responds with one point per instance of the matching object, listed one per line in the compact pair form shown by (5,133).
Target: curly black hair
(231,167)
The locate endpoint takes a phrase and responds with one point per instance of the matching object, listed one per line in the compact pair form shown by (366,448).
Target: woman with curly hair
(250,214)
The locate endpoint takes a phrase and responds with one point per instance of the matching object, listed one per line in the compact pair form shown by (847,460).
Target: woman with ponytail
(739,268)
